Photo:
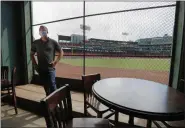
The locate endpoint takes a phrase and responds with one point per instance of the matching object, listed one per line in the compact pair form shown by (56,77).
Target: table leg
(116,118)
(149,124)
(131,120)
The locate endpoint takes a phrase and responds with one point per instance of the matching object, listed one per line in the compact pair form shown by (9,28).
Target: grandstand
(156,46)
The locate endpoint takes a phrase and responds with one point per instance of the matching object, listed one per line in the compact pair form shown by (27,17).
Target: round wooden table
(141,98)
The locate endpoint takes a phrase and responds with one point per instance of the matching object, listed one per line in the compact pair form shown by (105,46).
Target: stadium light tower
(124,34)
(85,27)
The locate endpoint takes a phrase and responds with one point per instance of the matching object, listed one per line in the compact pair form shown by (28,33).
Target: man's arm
(60,53)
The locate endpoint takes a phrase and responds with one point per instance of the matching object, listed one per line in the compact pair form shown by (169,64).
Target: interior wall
(181,83)
(11,39)
(28,39)
(8,37)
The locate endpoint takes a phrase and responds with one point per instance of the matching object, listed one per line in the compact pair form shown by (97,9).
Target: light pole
(58,38)
(84,27)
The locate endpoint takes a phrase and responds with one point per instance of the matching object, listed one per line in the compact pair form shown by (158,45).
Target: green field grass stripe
(122,63)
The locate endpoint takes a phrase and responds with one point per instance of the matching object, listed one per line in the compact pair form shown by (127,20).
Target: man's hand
(33,58)
(36,67)
(53,63)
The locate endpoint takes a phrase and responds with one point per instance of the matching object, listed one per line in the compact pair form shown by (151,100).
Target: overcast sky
(138,24)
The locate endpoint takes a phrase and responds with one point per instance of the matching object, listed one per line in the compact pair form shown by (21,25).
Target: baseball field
(155,69)
(122,63)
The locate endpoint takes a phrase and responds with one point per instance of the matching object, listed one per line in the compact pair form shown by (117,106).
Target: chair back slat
(4,72)
(54,119)
(65,106)
(58,107)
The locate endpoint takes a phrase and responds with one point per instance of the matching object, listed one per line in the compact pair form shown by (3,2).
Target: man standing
(45,48)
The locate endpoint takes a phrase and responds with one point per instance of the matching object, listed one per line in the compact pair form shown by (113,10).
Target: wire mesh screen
(132,43)
(102,7)
(55,11)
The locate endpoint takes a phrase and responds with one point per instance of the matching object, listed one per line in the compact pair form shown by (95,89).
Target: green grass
(122,63)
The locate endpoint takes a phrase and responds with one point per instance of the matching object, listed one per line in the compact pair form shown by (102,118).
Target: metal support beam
(179,39)
(84,39)
(28,39)
(107,13)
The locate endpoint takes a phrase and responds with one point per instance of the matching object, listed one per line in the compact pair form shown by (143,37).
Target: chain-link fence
(122,39)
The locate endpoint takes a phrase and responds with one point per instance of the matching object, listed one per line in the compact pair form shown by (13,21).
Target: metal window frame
(174,49)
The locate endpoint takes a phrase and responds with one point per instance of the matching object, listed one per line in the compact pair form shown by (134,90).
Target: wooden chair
(7,87)
(90,101)
(171,124)
(58,112)
(4,72)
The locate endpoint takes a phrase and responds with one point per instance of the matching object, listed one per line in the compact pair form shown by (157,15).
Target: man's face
(43,31)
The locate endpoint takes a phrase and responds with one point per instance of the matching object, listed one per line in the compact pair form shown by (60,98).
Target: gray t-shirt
(45,52)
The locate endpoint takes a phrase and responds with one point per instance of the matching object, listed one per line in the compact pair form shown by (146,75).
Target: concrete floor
(23,119)
(27,119)
(36,93)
